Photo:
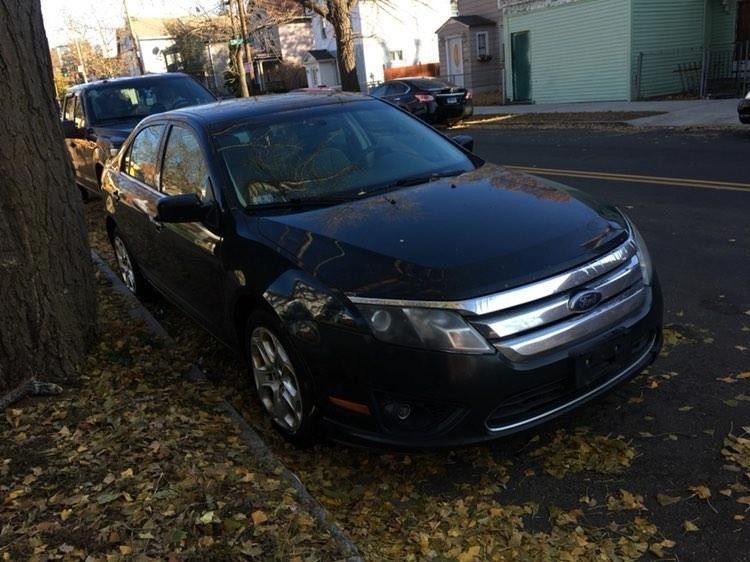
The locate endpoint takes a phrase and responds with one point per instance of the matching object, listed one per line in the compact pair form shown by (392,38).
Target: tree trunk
(342,26)
(47,306)
(239,63)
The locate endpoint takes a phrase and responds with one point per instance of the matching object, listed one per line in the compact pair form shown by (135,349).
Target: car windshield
(134,101)
(334,152)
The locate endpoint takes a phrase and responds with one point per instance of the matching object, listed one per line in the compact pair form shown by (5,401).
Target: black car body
(98,116)
(743,110)
(445,308)
(430,99)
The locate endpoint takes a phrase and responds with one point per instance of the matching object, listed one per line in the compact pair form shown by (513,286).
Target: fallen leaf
(470,554)
(701,491)
(690,527)
(125,549)
(744,500)
(665,499)
(259,517)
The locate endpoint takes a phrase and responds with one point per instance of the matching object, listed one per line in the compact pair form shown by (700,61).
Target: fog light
(403,411)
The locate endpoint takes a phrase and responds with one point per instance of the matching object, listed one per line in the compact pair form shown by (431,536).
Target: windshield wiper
(416,180)
(301,202)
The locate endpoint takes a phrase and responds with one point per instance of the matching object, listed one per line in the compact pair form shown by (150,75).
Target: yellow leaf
(127,473)
(690,527)
(701,491)
(65,513)
(259,517)
(664,499)
(470,554)
(125,549)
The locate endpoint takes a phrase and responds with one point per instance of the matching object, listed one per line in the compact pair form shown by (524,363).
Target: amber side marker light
(351,406)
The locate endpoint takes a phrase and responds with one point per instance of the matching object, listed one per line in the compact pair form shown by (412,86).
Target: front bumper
(458,399)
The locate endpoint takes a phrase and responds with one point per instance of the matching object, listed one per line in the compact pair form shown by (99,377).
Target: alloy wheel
(276,379)
(127,271)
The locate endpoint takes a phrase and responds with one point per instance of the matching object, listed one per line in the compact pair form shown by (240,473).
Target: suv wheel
(129,272)
(281,379)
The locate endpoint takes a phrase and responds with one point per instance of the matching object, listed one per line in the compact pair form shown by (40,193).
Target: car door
(68,115)
(135,195)
(189,253)
(85,145)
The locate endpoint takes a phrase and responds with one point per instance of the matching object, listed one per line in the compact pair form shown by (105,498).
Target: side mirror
(464,141)
(70,131)
(181,208)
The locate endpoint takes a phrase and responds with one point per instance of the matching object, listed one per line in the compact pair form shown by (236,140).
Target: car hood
(115,133)
(475,234)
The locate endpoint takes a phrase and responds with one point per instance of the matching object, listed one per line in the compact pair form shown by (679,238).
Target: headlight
(429,328)
(644,258)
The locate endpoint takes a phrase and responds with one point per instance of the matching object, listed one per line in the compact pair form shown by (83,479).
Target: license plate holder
(603,359)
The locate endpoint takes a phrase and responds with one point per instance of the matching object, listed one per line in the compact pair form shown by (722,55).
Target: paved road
(699,235)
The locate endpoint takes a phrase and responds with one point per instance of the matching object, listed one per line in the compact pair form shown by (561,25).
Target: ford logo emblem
(584,301)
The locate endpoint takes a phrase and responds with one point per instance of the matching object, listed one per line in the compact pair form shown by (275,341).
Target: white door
(455,57)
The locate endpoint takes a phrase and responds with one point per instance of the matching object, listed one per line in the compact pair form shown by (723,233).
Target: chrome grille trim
(505,324)
(526,346)
(521,295)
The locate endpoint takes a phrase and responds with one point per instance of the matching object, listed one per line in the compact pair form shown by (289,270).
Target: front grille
(539,320)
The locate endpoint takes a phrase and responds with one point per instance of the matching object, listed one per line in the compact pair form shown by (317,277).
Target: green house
(610,50)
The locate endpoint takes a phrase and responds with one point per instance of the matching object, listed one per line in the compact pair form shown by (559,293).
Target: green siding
(723,23)
(579,51)
(667,34)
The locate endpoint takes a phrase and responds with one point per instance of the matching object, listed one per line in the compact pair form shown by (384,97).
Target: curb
(258,447)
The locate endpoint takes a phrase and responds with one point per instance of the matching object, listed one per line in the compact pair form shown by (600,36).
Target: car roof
(219,115)
(130,80)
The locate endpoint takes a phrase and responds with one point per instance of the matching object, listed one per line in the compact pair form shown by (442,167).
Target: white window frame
(486,36)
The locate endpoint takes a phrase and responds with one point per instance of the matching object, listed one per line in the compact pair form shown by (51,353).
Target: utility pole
(134,45)
(81,64)
(246,38)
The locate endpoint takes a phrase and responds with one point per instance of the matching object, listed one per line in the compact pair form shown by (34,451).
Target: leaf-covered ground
(657,470)
(137,462)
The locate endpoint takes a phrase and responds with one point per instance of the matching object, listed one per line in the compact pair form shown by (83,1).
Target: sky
(88,15)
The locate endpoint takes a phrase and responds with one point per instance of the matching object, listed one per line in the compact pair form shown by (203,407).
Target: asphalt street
(689,193)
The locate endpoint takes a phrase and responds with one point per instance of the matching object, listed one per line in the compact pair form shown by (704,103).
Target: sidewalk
(689,113)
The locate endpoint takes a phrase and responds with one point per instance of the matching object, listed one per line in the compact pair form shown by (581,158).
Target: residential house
(397,34)
(470,46)
(599,50)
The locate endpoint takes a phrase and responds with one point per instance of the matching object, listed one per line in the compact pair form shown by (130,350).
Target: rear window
(430,84)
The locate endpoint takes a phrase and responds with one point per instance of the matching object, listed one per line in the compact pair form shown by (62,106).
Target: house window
(396,55)
(482,40)
(454,7)
(323,33)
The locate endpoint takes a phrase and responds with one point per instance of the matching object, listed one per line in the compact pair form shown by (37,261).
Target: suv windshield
(334,151)
(133,101)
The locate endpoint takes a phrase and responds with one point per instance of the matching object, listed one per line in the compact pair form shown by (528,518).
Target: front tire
(281,378)
(128,268)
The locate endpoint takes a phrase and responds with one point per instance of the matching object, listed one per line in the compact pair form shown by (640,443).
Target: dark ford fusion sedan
(380,279)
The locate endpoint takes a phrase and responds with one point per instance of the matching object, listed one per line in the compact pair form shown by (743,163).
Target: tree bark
(47,306)
(342,26)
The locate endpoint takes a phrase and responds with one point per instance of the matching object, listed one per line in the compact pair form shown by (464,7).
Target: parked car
(743,110)
(98,116)
(430,99)
(378,276)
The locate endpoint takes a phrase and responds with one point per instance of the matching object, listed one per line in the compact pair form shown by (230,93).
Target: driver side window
(184,169)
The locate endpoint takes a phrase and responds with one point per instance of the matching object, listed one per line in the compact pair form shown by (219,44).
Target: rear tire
(282,380)
(130,273)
